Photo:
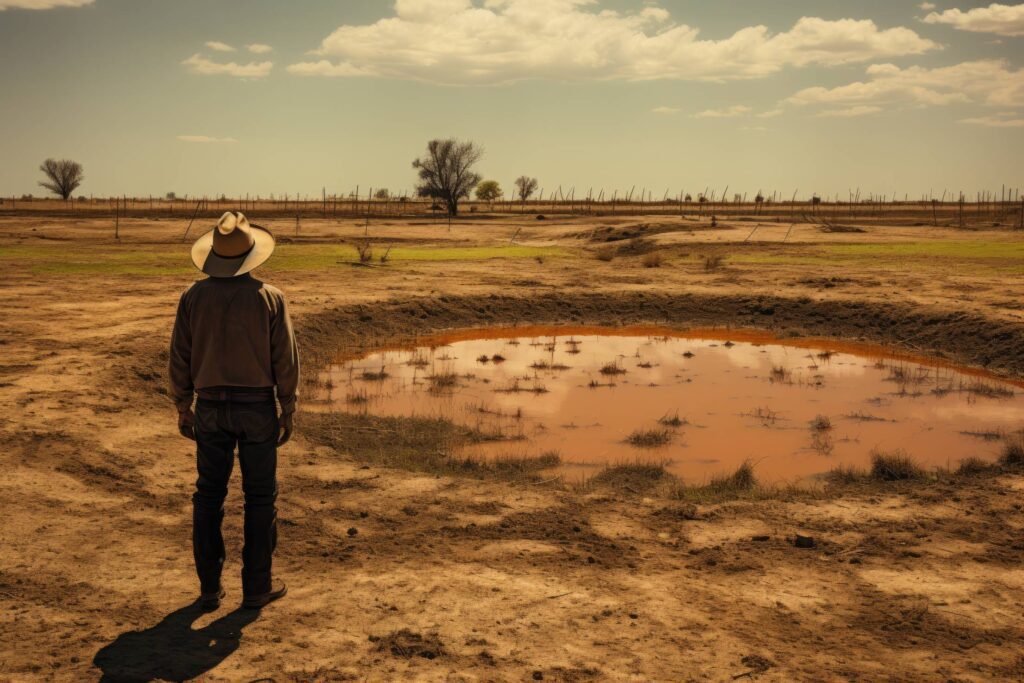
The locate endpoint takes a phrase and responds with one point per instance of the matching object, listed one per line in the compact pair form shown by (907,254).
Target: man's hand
(187,424)
(285,425)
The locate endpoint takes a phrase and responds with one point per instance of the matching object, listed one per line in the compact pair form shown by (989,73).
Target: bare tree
(446,172)
(62,176)
(525,187)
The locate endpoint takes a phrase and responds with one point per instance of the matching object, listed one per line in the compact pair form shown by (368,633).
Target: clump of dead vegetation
(428,445)
(407,644)
(972,466)
(606,253)
(635,478)
(358,397)
(443,381)
(418,360)
(650,438)
(672,420)
(612,369)
(517,388)
(987,389)
(821,423)
(545,365)
(652,260)
(713,262)
(375,375)
(885,467)
(894,466)
(1013,451)
(365,251)
(743,479)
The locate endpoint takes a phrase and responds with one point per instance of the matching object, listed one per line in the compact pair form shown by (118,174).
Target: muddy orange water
(699,401)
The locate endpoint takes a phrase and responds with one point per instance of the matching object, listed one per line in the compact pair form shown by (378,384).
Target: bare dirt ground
(415,573)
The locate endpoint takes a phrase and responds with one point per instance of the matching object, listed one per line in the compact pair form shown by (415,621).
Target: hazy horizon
(258,97)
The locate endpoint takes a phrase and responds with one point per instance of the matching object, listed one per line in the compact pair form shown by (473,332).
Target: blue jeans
(221,426)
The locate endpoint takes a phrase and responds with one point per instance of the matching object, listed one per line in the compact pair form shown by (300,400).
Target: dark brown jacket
(233,332)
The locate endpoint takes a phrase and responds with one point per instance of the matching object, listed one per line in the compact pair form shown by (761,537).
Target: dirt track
(457,578)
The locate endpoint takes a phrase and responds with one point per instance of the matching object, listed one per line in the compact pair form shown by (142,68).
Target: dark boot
(209,602)
(277,591)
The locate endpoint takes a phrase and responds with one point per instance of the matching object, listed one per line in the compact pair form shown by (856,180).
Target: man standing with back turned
(232,345)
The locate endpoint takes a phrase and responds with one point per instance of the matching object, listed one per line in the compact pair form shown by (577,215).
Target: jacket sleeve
(284,354)
(180,364)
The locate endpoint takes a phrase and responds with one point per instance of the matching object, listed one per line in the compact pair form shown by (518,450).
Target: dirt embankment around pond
(398,573)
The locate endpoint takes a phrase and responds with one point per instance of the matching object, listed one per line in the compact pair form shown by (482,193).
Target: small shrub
(895,466)
(652,260)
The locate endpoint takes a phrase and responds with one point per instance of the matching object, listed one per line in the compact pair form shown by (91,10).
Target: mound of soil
(830,228)
(968,338)
(628,232)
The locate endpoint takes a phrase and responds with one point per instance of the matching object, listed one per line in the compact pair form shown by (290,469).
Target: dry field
(404,564)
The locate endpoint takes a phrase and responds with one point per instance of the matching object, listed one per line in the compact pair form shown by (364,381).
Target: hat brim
(213,265)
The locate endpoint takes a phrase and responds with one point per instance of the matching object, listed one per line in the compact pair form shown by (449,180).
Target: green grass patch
(958,249)
(976,258)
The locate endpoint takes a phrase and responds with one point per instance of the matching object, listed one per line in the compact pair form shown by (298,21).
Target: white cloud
(198,64)
(998,121)
(42,4)
(459,42)
(205,139)
(259,48)
(665,110)
(990,82)
(926,6)
(218,46)
(1003,20)
(727,113)
(769,114)
(851,112)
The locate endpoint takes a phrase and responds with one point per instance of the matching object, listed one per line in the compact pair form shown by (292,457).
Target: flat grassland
(407,564)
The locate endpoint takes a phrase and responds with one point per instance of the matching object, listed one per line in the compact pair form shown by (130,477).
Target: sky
(261,97)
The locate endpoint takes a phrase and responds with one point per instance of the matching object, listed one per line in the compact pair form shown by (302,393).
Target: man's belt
(237,394)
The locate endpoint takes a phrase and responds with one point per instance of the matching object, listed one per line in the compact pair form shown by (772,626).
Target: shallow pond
(701,402)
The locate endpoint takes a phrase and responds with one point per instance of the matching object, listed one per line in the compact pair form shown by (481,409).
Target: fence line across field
(1005,208)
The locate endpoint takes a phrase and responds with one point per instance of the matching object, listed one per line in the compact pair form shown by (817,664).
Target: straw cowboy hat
(232,248)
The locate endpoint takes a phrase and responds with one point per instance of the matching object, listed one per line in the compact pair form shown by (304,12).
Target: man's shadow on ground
(172,650)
